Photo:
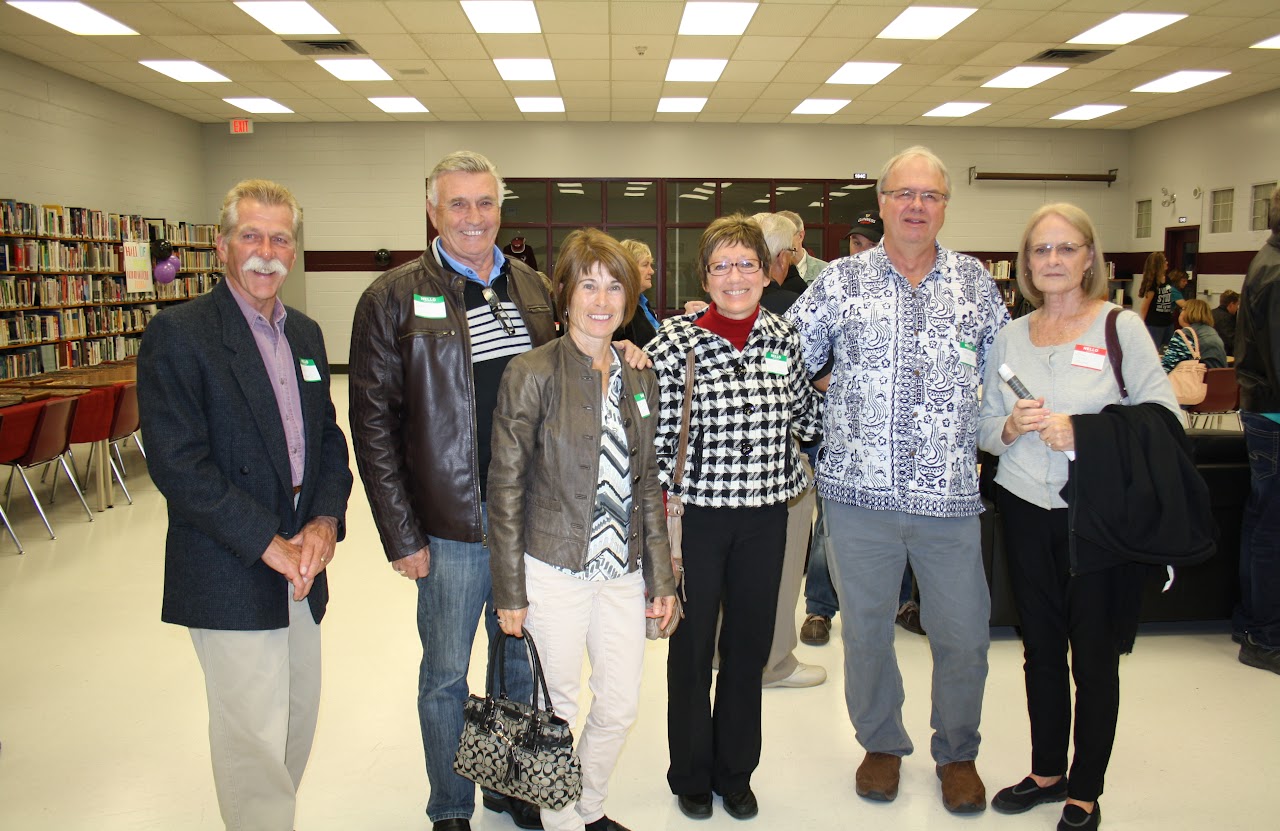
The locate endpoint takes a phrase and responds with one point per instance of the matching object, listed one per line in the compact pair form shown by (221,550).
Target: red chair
(49,443)
(92,423)
(1222,398)
(123,427)
(17,424)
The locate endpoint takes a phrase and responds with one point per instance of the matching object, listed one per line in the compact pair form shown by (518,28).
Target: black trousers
(732,556)
(1060,610)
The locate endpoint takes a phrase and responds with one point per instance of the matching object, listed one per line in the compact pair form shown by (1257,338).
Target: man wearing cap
(909,324)
(520,250)
(867,231)
(806,267)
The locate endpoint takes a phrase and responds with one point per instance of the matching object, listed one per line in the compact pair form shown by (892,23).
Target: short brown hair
(1196,310)
(586,248)
(263,191)
(1095,275)
(734,229)
(1228,297)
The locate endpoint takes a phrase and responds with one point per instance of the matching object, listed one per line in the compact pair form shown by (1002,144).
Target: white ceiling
(611,57)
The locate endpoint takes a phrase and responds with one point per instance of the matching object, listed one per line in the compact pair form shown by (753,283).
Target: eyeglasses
(1066,250)
(495,306)
(723,267)
(906,196)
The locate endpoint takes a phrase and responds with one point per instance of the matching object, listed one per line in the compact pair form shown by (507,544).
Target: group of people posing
(518,476)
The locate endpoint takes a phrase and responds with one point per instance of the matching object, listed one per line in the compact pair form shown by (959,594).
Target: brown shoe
(909,617)
(962,788)
(877,777)
(816,630)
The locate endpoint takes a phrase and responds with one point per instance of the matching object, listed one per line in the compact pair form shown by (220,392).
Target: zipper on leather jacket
(433,333)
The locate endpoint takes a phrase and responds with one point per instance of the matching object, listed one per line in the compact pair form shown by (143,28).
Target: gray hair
(778,232)
(918,151)
(264,191)
(1094,283)
(463,161)
(794,218)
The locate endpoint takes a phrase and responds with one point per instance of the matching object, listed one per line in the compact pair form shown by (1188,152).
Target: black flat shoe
(1027,794)
(695,805)
(455,824)
(1075,819)
(606,824)
(523,814)
(741,805)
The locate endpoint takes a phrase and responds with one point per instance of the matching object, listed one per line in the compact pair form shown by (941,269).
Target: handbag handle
(497,664)
(1194,349)
(686,412)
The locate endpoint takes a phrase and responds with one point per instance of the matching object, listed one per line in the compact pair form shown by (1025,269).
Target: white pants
(782,659)
(568,616)
(264,697)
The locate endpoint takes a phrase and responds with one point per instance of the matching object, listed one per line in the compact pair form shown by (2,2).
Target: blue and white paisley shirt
(901,414)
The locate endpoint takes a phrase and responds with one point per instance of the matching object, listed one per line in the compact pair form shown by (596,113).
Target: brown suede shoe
(962,788)
(877,777)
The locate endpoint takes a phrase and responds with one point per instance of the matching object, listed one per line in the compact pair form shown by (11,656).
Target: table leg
(105,495)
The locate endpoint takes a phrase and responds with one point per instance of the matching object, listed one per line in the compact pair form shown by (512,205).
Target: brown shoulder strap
(685,413)
(1114,353)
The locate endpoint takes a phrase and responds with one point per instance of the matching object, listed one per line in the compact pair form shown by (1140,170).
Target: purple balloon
(177,262)
(165,270)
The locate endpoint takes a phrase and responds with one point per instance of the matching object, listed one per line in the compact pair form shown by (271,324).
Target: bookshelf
(63,298)
(1004,272)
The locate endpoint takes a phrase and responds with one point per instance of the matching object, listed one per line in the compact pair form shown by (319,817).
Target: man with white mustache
(233,389)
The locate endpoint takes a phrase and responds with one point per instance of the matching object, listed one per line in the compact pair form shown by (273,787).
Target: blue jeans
(819,593)
(869,551)
(1258,614)
(451,599)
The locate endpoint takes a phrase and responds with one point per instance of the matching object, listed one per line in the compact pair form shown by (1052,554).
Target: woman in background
(1157,298)
(1195,316)
(643,325)
(1070,607)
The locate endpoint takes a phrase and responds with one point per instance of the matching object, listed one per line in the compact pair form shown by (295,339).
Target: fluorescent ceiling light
(708,191)
(502,17)
(525,69)
(1023,77)
(640,184)
(187,71)
(540,105)
(578,191)
(257,105)
(76,18)
(924,23)
(1179,81)
(862,72)
(837,193)
(695,69)
(786,188)
(399,105)
(694,196)
(764,201)
(568,184)
(1124,28)
(630,193)
(1269,43)
(354,69)
(681,105)
(716,18)
(820,106)
(1087,112)
(288,18)
(956,109)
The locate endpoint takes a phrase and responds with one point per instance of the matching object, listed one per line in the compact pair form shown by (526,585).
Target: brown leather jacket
(413,421)
(546,466)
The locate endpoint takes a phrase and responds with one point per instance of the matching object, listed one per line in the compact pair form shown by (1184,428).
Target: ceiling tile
(638,70)
(578,46)
(646,18)
(704,47)
(573,18)
(760,48)
(514,46)
(470,70)
(788,19)
(452,47)
(582,70)
(585,89)
(838,50)
(439,17)
(739,70)
(355,18)
(482,89)
(642,47)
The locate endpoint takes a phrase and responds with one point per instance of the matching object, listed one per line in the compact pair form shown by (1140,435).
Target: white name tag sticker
(968,354)
(432,308)
(310,372)
(642,405)
(1089,357)
(775,362)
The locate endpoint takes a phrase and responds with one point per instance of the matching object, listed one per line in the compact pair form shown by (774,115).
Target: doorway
(1181,244)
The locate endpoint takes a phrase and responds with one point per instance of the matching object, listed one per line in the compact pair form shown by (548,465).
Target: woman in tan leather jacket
(577,530)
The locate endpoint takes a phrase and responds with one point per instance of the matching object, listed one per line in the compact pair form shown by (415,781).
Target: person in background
(518,248)
(806,265)
(429,344)
(1224,319)
(1256,623)
(577,529)
(1179,280)
(1195,316)
(867,231)
(643,324)
(909,324)
(750,395)
(781,291)
(1157,298)
(233,392)
(1084,611)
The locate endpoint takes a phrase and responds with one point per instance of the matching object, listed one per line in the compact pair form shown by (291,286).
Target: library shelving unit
(1002,271)
(63,302)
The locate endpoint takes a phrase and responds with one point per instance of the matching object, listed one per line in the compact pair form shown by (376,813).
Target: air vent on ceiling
(412,71)
(969,78)
(1065,55)
(325,48)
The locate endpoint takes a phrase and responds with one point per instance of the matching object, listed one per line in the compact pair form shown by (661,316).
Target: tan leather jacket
(413,401)
(546,467)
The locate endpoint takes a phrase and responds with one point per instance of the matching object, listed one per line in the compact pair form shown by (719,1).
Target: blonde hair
(1094,283)
(636,249)
(1196,310)
(263,191)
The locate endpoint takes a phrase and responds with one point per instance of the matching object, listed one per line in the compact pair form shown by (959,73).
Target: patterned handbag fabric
(515,748)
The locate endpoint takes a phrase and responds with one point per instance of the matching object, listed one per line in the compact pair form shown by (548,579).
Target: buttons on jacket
(244,470)
(745,447)
(748,409)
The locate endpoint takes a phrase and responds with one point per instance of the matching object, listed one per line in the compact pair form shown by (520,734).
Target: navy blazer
(216,449)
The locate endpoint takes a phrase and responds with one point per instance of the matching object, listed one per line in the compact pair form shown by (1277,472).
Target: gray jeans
(869,550)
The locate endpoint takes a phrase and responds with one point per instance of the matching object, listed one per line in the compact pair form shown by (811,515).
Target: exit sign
(241,126)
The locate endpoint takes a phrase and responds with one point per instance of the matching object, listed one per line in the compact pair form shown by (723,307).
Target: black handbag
(515,748)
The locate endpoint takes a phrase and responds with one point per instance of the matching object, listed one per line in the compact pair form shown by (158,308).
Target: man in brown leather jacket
(430,342)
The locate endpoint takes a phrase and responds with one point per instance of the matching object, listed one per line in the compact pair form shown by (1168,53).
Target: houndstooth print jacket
(746,406)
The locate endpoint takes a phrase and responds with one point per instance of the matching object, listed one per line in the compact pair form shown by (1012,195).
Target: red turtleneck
(734,331)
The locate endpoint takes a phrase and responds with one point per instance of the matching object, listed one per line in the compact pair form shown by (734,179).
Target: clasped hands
(1031,416)
(304,555)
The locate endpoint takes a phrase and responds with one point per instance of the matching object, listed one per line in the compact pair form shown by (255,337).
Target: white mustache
(272,266)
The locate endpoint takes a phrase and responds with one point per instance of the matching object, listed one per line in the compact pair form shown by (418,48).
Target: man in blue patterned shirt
(909,324)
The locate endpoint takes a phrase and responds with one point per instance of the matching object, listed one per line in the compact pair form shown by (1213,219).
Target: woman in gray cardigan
(577,528)
(1060,354)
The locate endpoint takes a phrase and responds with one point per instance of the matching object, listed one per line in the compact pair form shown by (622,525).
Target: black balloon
(162,249)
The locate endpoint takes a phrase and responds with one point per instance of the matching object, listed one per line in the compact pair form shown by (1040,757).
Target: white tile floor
(102,713)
